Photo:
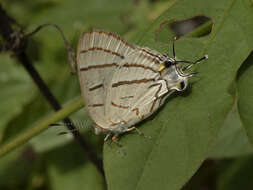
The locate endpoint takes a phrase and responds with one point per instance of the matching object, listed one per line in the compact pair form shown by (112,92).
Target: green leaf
(186,128)
(232,139)
(245,94)
(14,85)
(15,169)
(72,170)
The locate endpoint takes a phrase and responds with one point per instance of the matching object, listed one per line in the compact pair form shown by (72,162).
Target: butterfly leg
(107,137)
(122,151)
(138,131)
(115,140)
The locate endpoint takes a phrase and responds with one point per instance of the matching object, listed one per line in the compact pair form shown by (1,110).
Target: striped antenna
(64,125)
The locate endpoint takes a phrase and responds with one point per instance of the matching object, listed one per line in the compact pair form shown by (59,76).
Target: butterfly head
(175,76)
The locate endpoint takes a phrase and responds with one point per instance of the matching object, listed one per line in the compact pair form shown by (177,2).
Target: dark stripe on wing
(119,106)
(102,49)
(115,36)
(95,105)
(96,87)
(140,66)
(132,82)
(152,55)
(156,95)
(98,66)
(136,111)
(126,97)
(150,58)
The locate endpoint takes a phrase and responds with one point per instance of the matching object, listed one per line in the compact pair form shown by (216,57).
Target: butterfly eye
(167,63)
(182,85)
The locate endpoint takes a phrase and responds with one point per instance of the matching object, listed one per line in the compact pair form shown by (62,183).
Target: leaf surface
(187,126)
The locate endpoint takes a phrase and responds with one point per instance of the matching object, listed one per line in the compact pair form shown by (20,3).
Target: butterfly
(122,84)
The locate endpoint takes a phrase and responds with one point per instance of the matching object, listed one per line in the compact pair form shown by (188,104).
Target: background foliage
(210,121)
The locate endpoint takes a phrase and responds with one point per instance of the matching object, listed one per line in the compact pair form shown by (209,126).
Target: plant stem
(43,125)
(16,44)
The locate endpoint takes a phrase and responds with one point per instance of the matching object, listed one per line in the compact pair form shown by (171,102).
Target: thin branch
(70,51)
(42,126)
(16,44)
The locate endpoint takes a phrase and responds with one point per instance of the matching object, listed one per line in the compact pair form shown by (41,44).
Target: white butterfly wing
(98,54)
(136,89)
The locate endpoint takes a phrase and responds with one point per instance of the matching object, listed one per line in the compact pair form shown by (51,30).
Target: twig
(43,125)
(19,51)
(70,51)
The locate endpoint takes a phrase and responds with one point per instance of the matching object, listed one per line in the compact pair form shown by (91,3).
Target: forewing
(136,89)
(98,54)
